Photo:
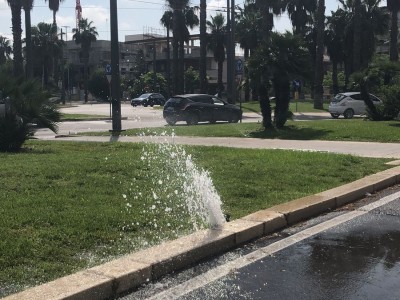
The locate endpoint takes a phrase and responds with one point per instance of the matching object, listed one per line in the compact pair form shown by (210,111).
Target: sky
(134,16)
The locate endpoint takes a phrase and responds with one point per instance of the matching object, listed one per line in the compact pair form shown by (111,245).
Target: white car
(350,104)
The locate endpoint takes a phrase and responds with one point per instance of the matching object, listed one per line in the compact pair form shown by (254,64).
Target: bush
(391,102)
(13,133)
(28,103)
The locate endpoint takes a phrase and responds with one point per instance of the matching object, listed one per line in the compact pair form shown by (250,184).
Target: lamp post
(115,79)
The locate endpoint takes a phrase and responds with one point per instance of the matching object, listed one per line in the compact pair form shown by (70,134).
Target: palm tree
(189,20)
(54,5)
(335,44)
(203,45)
(177,7)
(285,56)
(46,47)
(357,31)
(217,43)
(374,21)
(27,6)
(394,8)
(16,6)
(319,67)
(247,33)
(29,104)
(166,21)
(5,50)
(300,12)
(84,35)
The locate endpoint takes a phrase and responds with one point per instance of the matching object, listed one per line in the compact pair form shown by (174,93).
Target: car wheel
(234,118)
(348,113)
(335,116)
(145,104)
(171,121)
(193,119)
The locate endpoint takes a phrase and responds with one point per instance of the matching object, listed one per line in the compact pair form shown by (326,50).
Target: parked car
(148,99)
(194,108)
(350,104)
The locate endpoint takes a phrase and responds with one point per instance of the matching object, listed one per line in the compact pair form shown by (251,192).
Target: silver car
(350,104)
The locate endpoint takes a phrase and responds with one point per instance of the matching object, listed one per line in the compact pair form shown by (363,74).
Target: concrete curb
(129,272)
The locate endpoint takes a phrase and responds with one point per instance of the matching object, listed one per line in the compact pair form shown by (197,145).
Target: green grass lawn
(66,206)
(80,117)
(328,130)
(299,106)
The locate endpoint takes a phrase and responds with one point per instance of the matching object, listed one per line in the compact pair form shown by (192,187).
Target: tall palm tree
(203,46)
(85,35)
(27,6)
(394,8)
(189,20)
(16,6)
(54,5)
(247,33)
(177,7)
(357,31)
(217,43)
(335,44)
(166,21)
(319,67)
(47,48)
(5,50)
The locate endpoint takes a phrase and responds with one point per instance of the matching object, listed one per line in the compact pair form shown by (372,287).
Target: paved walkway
(365,149)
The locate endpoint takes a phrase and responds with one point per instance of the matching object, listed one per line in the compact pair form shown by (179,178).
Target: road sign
(108,69)
(239,67)
(108,78)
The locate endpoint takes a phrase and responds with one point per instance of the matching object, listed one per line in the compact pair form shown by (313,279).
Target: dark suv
(194,108)
(148,99)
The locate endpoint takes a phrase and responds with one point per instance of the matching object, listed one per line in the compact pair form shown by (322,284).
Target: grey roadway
(350,253)
(141,117)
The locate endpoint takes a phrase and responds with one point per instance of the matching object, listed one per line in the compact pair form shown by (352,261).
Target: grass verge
(330,130)
(67,206)
(300,106)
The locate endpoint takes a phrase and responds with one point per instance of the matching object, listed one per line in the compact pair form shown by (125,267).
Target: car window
(374,98)
(217,101)
(338,98)
(202,99)
(356,97)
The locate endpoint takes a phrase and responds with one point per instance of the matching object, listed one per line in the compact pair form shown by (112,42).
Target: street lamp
(115,78)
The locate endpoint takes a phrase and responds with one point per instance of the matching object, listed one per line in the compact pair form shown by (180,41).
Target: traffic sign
(239,67)
(108,69)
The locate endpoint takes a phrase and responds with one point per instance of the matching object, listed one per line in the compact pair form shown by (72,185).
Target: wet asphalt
(357,259)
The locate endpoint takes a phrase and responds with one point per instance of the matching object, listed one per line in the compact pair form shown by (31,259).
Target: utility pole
(115,78)
(66,32)
(228,52)
(233,57)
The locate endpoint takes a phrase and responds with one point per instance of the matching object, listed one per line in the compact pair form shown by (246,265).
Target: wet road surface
(351,253)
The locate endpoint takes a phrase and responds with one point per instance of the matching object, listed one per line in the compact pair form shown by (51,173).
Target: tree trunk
(319,62)
(265,106)
(357,36)
(28,43)
(220,70)
(335,81)
(246,76)
(282,94)
(394,31)
(203,46)
(168,65)
(175,49)
(181,68)
(16,6)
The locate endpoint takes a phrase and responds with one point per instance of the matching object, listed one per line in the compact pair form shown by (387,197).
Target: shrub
(13,133)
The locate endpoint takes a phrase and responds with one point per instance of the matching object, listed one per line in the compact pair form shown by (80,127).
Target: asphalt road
(350,253)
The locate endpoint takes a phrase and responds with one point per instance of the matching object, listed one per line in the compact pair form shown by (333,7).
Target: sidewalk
(364,149)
